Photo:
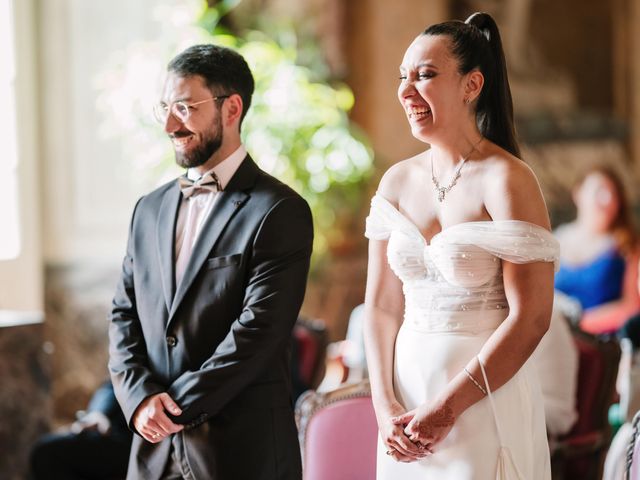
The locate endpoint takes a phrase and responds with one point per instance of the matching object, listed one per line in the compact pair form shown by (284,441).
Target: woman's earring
(467,100)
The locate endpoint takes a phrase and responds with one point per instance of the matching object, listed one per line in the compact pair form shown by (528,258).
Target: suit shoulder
(273,190)
(159,192)
(152,200)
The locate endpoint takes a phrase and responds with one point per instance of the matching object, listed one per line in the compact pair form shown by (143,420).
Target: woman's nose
(406,89)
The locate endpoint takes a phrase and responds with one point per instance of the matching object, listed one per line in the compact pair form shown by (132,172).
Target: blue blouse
(594,283)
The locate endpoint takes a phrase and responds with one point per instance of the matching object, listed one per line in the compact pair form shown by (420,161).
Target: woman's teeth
(418,112)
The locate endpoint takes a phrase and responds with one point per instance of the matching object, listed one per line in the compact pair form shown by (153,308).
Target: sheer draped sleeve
(513,240)
(384,218)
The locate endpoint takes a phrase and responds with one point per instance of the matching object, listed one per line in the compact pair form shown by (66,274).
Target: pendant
(441,192)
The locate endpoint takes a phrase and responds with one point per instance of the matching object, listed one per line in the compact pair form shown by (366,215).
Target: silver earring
(467,101)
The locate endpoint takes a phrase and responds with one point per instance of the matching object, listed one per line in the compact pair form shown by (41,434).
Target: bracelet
(475,382)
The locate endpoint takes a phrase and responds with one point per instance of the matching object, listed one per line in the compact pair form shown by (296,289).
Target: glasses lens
(160,112)
(181,110)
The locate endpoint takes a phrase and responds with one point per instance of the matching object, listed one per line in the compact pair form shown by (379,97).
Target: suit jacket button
(172,341)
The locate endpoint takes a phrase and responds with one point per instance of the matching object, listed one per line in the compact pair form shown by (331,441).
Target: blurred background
(78,79)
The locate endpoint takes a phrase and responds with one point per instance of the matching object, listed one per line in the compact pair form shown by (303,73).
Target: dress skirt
(425,361)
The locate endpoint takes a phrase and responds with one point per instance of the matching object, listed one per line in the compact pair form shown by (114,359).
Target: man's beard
(199,156)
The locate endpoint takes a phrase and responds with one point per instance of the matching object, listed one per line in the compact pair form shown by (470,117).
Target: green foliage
(298,129)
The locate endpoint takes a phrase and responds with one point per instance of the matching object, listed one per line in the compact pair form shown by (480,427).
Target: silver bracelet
(475,382)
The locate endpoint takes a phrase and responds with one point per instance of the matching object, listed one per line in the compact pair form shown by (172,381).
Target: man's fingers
(166,424)
(169,404)
(151,420)
(150,435)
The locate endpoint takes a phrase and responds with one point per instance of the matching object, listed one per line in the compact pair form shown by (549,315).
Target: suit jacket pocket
(225,261)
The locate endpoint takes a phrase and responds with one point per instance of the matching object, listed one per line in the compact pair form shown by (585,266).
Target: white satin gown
(454,300)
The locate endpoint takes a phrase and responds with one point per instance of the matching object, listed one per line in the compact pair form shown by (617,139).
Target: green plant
(298,128)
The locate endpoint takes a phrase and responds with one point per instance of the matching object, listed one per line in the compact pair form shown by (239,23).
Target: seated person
(95,447)
(596,249)
(354,356)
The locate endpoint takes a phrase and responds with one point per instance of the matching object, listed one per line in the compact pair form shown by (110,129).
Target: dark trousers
(87,455)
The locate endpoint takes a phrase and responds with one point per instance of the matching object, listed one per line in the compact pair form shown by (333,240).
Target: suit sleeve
(131,377)
(272,301)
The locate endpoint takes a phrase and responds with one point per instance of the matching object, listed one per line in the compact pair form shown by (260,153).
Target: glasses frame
(161,115)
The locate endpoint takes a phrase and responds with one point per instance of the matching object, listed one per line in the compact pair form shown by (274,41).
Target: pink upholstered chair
(338,433)
(633,454)
(312,338)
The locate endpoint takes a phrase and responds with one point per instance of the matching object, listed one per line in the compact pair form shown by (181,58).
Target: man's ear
(232,110)
(475,82)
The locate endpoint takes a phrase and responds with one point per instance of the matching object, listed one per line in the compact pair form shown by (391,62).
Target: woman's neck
(593,224)
(453,152)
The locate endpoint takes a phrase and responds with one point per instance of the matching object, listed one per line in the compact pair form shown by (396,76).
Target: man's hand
(150,419)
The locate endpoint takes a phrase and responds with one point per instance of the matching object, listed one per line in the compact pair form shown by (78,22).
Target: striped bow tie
(208,182)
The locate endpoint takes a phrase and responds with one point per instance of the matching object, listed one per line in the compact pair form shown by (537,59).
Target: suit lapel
(227,204)
(165,241)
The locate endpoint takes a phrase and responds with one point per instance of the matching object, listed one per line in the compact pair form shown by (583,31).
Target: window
(9,225)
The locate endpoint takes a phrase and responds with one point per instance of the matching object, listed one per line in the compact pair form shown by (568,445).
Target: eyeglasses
(180,110)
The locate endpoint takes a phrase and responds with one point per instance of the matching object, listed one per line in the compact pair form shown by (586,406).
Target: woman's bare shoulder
(396,179)
(512,190)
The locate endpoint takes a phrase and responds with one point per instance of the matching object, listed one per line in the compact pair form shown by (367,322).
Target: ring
(155,435)
(389,452)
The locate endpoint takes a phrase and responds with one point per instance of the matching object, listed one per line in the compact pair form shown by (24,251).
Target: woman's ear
(473,88)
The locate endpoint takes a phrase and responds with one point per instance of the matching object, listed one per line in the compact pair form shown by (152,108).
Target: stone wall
(76,329)
(25,402)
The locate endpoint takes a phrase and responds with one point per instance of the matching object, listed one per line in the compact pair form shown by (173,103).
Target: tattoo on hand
(441,418)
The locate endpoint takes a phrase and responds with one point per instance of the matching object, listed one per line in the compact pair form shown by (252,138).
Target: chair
(580,454)
(338,433)
(312,340)
(632,471)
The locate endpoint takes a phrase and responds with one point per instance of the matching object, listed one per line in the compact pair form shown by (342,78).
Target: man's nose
(172,124)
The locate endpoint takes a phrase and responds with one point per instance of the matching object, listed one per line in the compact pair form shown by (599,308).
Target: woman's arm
(611,316)
(383,314)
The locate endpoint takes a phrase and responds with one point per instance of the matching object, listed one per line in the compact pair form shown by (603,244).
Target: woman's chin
(421,133)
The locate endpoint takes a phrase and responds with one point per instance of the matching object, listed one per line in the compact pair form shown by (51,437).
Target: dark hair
(476,43)
(224,71)
(621,226)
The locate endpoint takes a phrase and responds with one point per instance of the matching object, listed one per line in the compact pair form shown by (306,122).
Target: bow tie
(208,182)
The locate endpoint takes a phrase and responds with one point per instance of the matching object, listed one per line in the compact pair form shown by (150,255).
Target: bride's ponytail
(476,44)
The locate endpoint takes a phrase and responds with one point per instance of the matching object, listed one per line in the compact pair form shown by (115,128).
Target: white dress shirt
(199,206)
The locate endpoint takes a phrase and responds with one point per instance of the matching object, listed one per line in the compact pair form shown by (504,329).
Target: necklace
(442,191)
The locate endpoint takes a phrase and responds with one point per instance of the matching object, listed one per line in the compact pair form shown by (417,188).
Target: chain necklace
(442,191)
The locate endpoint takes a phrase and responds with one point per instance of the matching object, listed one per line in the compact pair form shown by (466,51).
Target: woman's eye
(402,77)
(423,75)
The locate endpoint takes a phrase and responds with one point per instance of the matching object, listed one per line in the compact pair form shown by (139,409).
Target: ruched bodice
(460,269)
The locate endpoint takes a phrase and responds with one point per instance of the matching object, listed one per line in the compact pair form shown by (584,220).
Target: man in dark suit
(211,285)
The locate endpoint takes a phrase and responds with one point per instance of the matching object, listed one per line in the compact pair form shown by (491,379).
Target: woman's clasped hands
(419,429)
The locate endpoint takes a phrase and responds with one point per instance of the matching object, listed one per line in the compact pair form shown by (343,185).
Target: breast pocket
(225,261)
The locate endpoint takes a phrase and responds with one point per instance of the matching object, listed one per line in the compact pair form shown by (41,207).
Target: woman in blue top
(594,252)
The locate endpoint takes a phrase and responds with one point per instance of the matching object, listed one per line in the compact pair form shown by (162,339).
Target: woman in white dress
(460,274)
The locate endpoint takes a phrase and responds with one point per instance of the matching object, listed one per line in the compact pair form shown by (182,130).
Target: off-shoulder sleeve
(512,240)
(384,218)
